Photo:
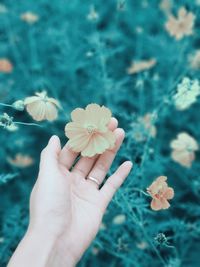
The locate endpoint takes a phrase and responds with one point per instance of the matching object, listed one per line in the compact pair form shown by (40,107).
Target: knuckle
(102,167)
(113,185)
(79,171)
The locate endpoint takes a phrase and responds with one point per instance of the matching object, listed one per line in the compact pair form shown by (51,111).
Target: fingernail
(130,163)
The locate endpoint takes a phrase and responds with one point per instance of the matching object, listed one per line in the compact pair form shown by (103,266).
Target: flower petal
(79,142)
(165,203)
(97,145)
(110,137)
(169,194)
(51,112)
(78,115)
(37,110)
(73,129)
(156,204)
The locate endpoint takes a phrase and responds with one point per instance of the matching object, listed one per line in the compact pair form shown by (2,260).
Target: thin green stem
(27,123)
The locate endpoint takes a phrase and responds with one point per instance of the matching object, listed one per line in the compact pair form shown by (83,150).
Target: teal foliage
(80,61)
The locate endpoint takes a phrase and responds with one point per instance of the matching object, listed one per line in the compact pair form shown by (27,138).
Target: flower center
(91,129)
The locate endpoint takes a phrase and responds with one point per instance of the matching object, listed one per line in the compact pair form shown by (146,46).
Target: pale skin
(66,208)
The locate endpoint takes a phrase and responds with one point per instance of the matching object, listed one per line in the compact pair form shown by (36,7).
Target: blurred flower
(18,105)
(95,251)
(142,65)
(119,219)
(166,5)
(21,161)
(142,245)
(88,132)
(29,17)
(183,148)
(41,107)
(187,93)
(93,15)
(1,239)
(102,226)
(3,9)
(7,123)
(144,127)
(182,25)
(195,60)
(5,65)
(161,193)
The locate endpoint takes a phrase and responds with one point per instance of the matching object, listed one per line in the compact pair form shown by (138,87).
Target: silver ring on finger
(96,181)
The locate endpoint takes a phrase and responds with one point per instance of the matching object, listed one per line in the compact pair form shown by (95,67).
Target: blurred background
(139,58)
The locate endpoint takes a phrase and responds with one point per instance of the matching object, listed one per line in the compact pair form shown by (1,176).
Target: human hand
(67,207)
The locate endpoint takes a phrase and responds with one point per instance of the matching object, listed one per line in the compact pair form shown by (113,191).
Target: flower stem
(27,123)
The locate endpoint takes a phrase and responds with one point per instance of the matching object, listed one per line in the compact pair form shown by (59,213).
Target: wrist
(55,252)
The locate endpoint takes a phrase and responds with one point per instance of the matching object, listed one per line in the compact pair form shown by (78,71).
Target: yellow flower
(182,25)
(41,107)
(138,66)
(20,161)
(183,149)
(88,132)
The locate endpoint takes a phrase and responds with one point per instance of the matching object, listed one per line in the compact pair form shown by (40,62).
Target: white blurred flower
(195,60)
(7,122)
(119,219)
(187,93)
(183,149)
(29,17)
(93,15)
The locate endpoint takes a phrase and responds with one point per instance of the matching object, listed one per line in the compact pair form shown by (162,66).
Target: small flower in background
(95,251)
(102,226)
(88,132)
(182,25)
(183,149)
(7,122)
(144,127)
(142,245)
(3,9)
(1,240)
(166,6)
(161,193)
(187,93)
(29,17)
(21,161)
(93,15)
(194,60)
(5,65)
(119,219)
(138,66)
(41,107)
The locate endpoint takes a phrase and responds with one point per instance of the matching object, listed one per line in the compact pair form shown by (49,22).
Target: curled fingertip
(114,121)
(120,131)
